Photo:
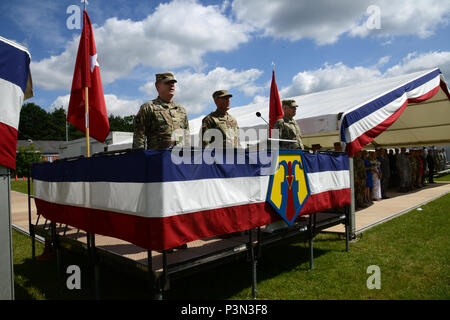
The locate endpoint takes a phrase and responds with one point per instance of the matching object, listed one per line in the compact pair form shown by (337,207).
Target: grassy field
(443,178)
(411,252)
(21,186)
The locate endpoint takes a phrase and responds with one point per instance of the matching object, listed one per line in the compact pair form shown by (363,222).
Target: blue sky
(211,45)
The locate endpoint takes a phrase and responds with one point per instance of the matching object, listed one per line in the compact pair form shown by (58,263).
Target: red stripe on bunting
(160,233)
(364,139)
(8,145)
(168,232)
(326,200)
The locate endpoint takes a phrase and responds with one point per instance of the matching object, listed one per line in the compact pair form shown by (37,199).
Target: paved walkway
(399,203)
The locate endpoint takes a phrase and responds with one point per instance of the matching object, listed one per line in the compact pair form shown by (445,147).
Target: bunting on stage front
(157,204)
(15,87)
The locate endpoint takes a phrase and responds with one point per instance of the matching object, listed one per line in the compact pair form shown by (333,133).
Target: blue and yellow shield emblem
(288,186)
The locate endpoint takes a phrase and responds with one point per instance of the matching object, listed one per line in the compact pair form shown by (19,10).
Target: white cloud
(194,90)
(403,17)
(326,21)
(339,75)
(383,60)
(328,77)
(416,62)
(114,105)
(177,34)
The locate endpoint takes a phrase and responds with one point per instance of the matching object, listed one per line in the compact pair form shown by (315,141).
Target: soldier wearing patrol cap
(288,127)
(159,118)
(221,120)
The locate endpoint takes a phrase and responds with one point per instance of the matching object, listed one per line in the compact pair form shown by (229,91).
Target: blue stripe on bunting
(329,161)
(14,65)
(156,166)
(380,102)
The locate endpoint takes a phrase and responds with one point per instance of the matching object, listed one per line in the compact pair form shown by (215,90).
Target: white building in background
(116,140)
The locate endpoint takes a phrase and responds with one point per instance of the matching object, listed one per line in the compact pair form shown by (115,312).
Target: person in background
(376,176)
(404,170)
(337,146)
(423,156)
(414,169)
(393,180)
(420,169)
(385,172)
(316,147)
(360,180)
(369,184)
(430,163)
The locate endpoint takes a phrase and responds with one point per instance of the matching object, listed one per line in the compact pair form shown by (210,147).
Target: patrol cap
(165,77)
(316,146)
(289,103)
(221,94)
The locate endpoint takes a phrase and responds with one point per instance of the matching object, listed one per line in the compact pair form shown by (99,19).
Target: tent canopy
(407,110)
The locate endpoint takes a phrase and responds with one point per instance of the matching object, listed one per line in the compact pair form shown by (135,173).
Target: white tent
(387,102)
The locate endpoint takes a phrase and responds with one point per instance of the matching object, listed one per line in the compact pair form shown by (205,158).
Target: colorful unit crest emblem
(288,187)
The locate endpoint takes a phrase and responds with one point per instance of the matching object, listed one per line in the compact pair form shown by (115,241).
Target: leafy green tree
(37,124)
(34,123)
(25,156)
(58,124)
(117,123)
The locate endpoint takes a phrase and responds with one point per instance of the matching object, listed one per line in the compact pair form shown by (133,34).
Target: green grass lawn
(443,178)
(21,186)
(411,252)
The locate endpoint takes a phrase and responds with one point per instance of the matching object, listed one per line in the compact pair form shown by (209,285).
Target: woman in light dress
(376,176)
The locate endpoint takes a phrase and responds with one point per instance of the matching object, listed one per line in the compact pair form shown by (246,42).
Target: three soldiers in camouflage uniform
(158,119)
(288,127)
(222,121)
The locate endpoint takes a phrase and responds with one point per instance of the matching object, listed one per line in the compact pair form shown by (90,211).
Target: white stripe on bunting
(10,103)
(164,199)
(375,118)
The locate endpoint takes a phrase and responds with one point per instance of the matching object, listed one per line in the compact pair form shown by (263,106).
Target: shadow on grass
(227,281)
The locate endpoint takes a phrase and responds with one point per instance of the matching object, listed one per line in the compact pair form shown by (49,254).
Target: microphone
(258,114)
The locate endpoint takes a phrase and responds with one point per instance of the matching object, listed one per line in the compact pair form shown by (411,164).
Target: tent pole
(6,263)
(352,198)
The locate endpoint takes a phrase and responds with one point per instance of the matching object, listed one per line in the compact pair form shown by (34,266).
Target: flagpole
(86,91)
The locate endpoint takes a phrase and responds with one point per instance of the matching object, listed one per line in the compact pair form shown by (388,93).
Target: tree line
(37,124)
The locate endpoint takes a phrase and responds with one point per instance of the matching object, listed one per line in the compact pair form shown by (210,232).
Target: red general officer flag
(275,110)
(87,74)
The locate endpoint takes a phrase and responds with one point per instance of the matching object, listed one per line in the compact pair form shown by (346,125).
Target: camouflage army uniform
(360,180)
(226,124)
(414,169)
(289,130)
(404,171)
(157,120)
